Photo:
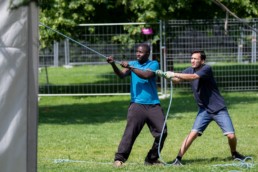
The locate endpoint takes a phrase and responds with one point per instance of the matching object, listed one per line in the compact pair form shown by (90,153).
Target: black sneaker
(238,156)
(156,162)
(177,162)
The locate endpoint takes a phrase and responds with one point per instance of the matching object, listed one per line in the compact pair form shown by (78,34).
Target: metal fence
(69,68)
(230,47)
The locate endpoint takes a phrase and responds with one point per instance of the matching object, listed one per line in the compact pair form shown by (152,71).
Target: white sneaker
(177,162)
(118,163)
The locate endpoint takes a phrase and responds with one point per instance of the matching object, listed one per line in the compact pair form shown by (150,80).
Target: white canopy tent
(18,87)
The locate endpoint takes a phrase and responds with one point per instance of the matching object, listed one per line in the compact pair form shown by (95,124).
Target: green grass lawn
(84,74)
(98,79)
(90,74)
(82,134)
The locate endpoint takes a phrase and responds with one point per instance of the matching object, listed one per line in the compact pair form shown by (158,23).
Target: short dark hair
(202,53)
(146,46)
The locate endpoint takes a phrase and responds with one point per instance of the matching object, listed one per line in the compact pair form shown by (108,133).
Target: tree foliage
(63,15)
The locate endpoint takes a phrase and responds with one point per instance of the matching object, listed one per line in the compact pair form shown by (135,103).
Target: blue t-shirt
(205,89)
(144,91)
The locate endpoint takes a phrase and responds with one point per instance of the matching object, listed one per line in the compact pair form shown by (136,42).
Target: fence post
(240,47)
(254,45)
(56,51)
(163,83)
(67,52)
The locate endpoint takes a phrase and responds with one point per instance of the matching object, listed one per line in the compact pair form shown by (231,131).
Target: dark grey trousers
(137,116)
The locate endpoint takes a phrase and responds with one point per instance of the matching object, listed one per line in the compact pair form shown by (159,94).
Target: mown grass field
(101,78)
(81,134)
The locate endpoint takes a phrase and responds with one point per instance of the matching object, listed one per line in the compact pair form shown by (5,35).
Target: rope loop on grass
(239,163)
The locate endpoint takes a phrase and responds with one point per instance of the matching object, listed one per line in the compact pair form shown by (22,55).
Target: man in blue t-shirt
(210,102)
(144,106)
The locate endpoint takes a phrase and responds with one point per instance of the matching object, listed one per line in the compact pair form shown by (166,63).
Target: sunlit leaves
(65,14)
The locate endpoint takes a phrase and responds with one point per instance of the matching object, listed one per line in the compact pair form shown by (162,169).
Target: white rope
(164,125)
(239,163)
(102,55)
(58,161)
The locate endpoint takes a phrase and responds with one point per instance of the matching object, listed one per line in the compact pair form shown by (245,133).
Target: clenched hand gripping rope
(168,75)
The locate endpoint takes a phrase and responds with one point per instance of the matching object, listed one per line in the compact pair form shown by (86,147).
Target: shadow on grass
(88,113)
(94,113)
(206,160)
(103,111)
(213,160)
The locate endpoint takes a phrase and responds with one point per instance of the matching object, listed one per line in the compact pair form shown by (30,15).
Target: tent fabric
(18,87)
